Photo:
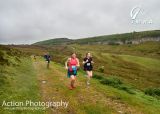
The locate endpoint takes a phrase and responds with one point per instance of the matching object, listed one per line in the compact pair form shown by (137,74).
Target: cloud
(28,21)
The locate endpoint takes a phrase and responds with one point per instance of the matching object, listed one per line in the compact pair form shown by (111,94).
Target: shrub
(98,76)
(126,88)
(112,81)
(152,91)
(101,69)
(3,60)
(116,83)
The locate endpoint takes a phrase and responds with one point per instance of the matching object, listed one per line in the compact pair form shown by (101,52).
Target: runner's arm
(78,65)
(66,64)
(92,61)
(85,61)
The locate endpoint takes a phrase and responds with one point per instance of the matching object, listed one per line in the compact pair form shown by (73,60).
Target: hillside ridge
(114,39)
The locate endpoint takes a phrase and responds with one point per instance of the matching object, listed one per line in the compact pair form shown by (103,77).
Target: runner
(48,58)
(72,65)
(34,57)
(87,62)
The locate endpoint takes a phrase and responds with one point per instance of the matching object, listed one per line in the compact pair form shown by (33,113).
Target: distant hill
(115,39)
(56,41)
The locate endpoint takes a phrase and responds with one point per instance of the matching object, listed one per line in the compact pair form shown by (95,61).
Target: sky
(29,21)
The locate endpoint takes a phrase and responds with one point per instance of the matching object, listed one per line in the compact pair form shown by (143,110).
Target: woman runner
(87,62)
(72,65)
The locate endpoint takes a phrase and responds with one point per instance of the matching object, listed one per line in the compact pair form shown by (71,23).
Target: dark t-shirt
(88,63)
(47,57)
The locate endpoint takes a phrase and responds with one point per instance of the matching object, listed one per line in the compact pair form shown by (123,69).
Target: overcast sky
(29,21)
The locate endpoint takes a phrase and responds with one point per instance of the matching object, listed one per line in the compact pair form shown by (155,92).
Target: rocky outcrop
(131,41)
(138,41)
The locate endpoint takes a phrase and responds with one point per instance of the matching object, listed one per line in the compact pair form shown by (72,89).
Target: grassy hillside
(128,83)
(109,39)
(126,61)
(31,49)
(119,37)
(147,49)
(56,41)
(132,63)
(126,77)
(98,98)
(17,80)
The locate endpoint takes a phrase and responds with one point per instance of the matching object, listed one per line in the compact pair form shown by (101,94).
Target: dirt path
(54,87)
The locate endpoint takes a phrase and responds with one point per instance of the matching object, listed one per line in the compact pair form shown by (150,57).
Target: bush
(3,59)
(152,91)
(113,43)
(101,69)
(126,88)
(116,83)
(98,77)
(112,81)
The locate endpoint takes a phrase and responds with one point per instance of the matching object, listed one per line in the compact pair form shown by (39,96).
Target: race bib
(74,68)
(88,64)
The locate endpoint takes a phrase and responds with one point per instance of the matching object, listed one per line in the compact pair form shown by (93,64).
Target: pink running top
(73,62)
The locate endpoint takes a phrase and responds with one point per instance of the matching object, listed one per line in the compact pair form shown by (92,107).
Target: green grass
(18,82)
(22,85)
(133,69)
(95,109)
(132,63)
(135,66)
(152,64)
(146,49)
(79,103)
(144,97)
(114,82)
(140,101)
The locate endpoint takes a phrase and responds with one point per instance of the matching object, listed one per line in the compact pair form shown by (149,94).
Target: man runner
(48,58)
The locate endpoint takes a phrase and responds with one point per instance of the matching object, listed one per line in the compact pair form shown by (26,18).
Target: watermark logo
(135,12)
(33,105)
